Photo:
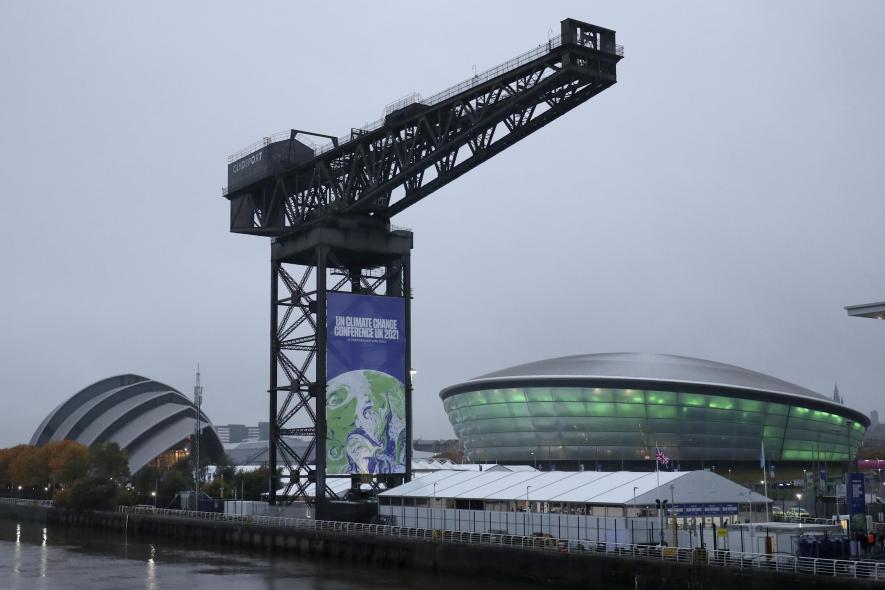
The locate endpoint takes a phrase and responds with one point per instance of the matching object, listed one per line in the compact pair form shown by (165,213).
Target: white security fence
(607,529)
(715,558)
(562,526)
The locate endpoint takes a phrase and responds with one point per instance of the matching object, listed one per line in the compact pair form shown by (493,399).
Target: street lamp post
(528,509)
(433,505)
(634,498)
(874,311)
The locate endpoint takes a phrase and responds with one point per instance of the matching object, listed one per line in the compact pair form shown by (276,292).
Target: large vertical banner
(365,392)
(857,505)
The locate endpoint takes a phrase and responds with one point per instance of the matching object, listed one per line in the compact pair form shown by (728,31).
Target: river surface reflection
(34,556)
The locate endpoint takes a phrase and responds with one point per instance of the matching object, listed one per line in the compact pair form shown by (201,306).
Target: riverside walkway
(838,568)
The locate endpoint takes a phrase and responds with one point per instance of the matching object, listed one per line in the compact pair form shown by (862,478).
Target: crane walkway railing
(840,568)
(475,80)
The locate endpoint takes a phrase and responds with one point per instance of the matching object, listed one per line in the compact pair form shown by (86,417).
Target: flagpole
(657,474)
(765,481)
(657,493)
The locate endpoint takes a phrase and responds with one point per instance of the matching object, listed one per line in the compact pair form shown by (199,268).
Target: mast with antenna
(198,427)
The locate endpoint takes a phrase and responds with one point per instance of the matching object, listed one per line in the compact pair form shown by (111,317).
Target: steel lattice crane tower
(327,210)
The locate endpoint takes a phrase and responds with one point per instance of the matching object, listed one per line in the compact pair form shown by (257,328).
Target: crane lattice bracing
(328,209)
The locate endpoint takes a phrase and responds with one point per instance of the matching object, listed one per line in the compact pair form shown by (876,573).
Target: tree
(252,483)
(68,461)
(109,461)
(93,493)
(455,456)
(223,484)
(29,466)
(6,457)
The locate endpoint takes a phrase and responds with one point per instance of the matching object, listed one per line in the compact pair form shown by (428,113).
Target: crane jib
(419,145)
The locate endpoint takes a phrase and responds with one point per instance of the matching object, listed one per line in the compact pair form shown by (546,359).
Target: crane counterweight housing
(328,209)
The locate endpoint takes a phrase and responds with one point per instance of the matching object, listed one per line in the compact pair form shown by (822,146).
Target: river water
(34,556)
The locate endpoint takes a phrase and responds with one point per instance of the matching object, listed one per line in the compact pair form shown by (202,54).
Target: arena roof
(580,487)
(640,367)
(145,417)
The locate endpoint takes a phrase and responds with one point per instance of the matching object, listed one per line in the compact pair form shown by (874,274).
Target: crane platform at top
(283,184)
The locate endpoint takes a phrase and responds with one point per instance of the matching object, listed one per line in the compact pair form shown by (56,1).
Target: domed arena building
(609,411)
(151,421)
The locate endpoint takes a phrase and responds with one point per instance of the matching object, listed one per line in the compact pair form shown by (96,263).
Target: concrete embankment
(547,567)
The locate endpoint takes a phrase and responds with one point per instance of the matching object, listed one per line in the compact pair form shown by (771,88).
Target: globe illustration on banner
(365,423)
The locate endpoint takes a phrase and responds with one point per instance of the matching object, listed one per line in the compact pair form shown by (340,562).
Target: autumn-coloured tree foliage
(61,464)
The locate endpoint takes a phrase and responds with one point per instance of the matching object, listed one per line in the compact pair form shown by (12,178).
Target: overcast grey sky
(723,200)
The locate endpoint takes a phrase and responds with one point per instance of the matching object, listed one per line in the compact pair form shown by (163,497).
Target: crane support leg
(360,257)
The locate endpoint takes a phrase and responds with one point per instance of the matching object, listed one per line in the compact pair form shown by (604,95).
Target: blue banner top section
(366,332)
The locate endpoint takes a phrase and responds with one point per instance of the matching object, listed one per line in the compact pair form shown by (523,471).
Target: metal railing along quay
(839,568)
(26,502)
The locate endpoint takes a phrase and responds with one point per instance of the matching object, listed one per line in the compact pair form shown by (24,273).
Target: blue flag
(762,457)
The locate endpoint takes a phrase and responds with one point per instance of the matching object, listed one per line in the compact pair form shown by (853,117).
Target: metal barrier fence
(804,520)
(716,558)
(26,502)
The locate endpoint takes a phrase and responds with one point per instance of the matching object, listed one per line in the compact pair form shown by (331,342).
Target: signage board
(703,509)
(366,387)
(856,494)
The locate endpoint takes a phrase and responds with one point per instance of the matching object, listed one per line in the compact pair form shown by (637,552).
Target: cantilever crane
(328,210)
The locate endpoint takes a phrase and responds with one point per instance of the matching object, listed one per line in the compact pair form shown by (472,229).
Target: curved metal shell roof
(636,368)
(143,416)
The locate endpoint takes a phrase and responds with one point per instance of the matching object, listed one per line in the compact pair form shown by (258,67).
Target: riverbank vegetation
(97,477)
(71,474)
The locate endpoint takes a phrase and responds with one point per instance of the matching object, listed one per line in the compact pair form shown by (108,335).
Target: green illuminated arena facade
(607,409)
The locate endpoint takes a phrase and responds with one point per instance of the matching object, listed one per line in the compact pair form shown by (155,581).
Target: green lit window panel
(546,424)
(487,411)
(630,396)
(773,432)
(537,408)
(570,409)
(778,409)
(661,411)
(798,444)
(569,394)
(469,400)
(753,418)
(715,415)
(775,420)
(630,410)
(514,395)
(692,399)
(719,402)
(538,394)
(751,405)
(826,417)
(601,409)
(660,397)
(497,396)
(598,394)
(797,456)
(695,414)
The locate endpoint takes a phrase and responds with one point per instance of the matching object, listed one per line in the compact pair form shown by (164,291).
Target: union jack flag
(661,457)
